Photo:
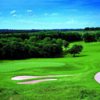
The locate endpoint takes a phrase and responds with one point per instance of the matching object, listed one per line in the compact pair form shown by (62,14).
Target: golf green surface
(79,85)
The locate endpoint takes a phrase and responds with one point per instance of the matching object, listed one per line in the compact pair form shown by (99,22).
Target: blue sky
(49,14)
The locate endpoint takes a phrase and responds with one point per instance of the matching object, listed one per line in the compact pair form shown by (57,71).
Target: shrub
(76,49)
(98,36)
(89,37)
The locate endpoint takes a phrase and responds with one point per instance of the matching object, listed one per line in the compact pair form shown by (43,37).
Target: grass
(80,86)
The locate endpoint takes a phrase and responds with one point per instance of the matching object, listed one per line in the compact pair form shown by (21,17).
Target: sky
(49,14)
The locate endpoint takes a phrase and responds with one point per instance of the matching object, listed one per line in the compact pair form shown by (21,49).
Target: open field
(80,86)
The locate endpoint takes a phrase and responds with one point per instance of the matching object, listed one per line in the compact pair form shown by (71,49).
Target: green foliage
(75,49)
(92,28)
(98,36)
(60,42)
(33,39)
(65,43)
(89,37)
(68,36)
(27,45)
(29,48)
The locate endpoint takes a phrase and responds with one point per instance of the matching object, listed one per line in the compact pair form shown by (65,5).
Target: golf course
(63,78)
(49,49)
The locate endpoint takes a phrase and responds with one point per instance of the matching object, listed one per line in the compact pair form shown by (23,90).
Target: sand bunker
(36,81)
(97,77)
(23,77)
(31,77)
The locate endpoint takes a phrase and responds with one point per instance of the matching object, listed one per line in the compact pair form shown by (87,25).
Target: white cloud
(13,12)
(14,15)
(29,11)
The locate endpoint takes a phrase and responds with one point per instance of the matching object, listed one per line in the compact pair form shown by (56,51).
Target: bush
(76,49)
(73,36)
(98,36)
(89,37)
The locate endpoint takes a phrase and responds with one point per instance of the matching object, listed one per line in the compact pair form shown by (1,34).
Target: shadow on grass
(60,68)
(81,55)
(76,56)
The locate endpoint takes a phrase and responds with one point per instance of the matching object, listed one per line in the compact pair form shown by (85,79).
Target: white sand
(97,77)
(23,77)
(30,77)
(36,81)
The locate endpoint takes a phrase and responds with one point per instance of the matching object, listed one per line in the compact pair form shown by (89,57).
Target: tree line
(42,44)
(68,36)
(17,48)
(92,28)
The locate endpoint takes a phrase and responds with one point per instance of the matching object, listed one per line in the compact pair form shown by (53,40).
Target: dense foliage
(42,43)
(87,37)
(92,28)
(75,49)
(69,36)
(17,48)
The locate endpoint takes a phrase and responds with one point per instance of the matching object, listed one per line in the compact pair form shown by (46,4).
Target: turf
(80,86)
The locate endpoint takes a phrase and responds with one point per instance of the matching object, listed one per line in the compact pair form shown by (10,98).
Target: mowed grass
(80,86)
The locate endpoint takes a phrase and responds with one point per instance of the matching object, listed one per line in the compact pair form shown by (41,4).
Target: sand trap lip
(30,77)
(97,77)
(36,81)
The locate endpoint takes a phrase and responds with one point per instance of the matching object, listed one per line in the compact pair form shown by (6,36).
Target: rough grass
(80,86)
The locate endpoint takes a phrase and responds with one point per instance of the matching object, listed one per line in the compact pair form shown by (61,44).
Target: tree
(76,49)
(73,36)
(65,43)
(59,42)
(98,36)
(18,48)
(33,39)
(1,46)
(89,37)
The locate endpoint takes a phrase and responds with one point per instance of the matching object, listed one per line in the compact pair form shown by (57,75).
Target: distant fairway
(80,86)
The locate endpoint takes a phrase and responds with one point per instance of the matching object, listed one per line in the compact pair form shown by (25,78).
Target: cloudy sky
(49,14)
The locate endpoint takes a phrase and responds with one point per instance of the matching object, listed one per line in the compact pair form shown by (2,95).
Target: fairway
(78,82)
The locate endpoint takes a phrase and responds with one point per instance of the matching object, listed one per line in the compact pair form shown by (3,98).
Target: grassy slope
(81,86)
